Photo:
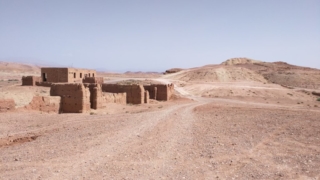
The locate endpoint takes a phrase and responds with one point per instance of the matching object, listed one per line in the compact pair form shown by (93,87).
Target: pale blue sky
(153,35)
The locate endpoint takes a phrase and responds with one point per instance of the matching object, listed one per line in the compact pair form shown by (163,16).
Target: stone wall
(97,80)
(75,98)
(118,98)
(30,80)
(48,104)
(7,105)
(135,93)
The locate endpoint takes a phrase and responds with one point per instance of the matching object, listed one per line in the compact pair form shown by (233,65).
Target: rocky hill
(244,69)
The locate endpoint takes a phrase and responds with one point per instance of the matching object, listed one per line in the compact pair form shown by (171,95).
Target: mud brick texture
(44,84)
(30,80)
(97,80)
(75,98)
(160,92)
(96,99)
(65,75)
(135,93)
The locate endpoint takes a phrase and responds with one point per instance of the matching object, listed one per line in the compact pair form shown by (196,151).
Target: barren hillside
(286,74)
(18,67)
(218,73)
(243,69)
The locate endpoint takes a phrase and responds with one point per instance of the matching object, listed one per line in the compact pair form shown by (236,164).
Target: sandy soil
(210,130)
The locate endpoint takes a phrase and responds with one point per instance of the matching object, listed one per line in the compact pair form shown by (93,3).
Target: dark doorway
(92,74)
(74,75)
(44,77)
(80,75)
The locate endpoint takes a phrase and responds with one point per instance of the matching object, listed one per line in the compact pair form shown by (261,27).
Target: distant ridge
(234,61)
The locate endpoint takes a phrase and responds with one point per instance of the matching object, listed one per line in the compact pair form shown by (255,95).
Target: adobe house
(65,75)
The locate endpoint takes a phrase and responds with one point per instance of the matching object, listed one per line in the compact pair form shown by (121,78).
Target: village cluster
(79,90)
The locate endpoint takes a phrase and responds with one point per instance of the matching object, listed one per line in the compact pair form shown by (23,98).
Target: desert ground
(241,119)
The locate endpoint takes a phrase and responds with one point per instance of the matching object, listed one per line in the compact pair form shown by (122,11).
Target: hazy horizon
(157,35)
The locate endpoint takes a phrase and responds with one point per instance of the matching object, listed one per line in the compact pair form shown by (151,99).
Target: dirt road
(203,138)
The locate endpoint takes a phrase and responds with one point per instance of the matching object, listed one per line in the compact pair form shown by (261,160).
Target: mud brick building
(75,98)
(65,75)
(160,92)
(96,80)
(30,80)
(135,93)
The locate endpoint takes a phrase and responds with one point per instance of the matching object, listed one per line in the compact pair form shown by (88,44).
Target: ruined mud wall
(48,104)
(135,93)
(44,84)
(118,98)
(7,105)
(152,91)
(75,98)
(30,80)
(96,99)
(97,80)
(164,92)
(55,75)
(146,97)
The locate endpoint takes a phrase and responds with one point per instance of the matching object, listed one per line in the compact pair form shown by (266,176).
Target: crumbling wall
(30,80)
(152,91)
(118,98)
(97,80)
(146,97)
(44,84)
(49,104)
(7,105)
(163,91)
(96,99)
(75,98)
(135,93)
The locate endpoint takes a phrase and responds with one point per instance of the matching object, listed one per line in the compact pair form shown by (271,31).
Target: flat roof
(67,68)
